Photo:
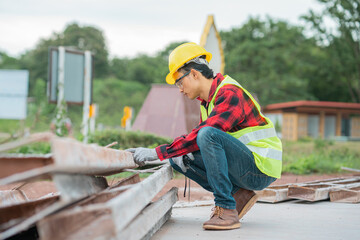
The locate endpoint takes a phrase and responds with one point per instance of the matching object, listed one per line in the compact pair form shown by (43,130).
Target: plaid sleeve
(227,113)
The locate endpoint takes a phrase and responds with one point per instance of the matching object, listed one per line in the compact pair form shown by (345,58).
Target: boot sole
(248,206)
(216,227)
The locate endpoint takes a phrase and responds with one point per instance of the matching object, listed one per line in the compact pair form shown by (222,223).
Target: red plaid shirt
(233,110)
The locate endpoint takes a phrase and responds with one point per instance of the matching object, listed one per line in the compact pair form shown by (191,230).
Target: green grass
(319,156)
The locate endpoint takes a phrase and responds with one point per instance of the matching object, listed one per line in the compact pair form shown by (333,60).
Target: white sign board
(13,93)
(74,65)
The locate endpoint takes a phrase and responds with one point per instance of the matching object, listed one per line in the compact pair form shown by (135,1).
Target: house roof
(166,112)
(318,104)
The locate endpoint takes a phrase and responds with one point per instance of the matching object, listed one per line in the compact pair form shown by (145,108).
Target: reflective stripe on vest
(257,135)
(262,141)
(266,152)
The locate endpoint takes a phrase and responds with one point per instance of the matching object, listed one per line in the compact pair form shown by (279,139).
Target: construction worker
(232,152)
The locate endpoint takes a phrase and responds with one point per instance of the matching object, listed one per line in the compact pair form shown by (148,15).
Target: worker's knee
(204,135)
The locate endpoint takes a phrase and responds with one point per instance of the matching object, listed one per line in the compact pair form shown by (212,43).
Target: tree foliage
(270,58)
(342,47)
(74,36)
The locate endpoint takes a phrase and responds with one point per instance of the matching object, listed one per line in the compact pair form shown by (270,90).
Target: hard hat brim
(170,79)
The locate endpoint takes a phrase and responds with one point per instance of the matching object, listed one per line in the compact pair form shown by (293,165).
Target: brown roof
(167,112)
(324,104)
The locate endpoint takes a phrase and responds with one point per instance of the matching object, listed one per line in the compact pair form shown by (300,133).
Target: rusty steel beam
(273,194)
(9,215)
(50,206)
(106,215)
(72,188)
(346,195)
(68,156)
(320,191)
(81,220)
(77,157)
(17,163)
(279,193)
(10,197)
(150,220)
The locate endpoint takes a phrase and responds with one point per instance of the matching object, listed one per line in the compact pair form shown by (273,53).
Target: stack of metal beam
(336,190)
(79,203)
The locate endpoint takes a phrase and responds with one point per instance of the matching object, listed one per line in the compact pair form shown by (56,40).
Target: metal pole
(61,74)
(87,74)
(60,97)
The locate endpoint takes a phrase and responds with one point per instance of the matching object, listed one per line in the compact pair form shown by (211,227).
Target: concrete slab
(287,220)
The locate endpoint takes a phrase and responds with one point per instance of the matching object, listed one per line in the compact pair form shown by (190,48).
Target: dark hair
(202,68)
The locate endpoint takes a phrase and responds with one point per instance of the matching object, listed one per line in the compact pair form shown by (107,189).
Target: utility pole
(87,96)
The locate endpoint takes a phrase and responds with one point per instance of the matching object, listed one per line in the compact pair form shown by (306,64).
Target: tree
(7,62)
(81,38)
(342,46)
(269,58)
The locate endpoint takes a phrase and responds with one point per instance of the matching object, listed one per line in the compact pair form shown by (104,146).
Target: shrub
(34,148)
(127,139)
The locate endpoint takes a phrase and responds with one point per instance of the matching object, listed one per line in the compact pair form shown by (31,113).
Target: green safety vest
(262,141)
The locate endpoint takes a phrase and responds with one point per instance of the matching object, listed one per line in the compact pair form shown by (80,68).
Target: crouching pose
(233,151)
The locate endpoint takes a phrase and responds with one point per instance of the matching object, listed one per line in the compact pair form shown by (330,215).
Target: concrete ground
(287,220)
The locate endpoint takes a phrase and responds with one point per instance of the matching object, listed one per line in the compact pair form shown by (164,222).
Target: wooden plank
(350,195)
(146,223)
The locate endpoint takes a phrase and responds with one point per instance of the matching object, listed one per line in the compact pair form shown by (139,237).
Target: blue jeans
(222,166)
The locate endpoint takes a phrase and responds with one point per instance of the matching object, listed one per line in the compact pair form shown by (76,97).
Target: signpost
(70,82)
(13,94)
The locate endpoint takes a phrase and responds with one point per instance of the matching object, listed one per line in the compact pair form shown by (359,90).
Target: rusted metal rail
(82,193)
(310,191)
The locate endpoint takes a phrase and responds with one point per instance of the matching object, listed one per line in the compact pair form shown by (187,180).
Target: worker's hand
(182,161)
(141,155)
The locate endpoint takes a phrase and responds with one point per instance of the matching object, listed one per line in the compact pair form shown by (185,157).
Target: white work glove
(141,155)
(180,161)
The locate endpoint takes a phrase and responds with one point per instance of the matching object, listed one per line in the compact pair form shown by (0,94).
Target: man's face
(185,83)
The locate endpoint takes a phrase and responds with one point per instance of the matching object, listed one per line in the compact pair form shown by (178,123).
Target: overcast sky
(134,26)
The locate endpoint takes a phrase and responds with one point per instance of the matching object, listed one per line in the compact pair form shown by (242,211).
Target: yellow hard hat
(181,55)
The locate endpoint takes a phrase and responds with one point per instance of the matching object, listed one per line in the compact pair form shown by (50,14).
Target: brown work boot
(245,199)
(222,219)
